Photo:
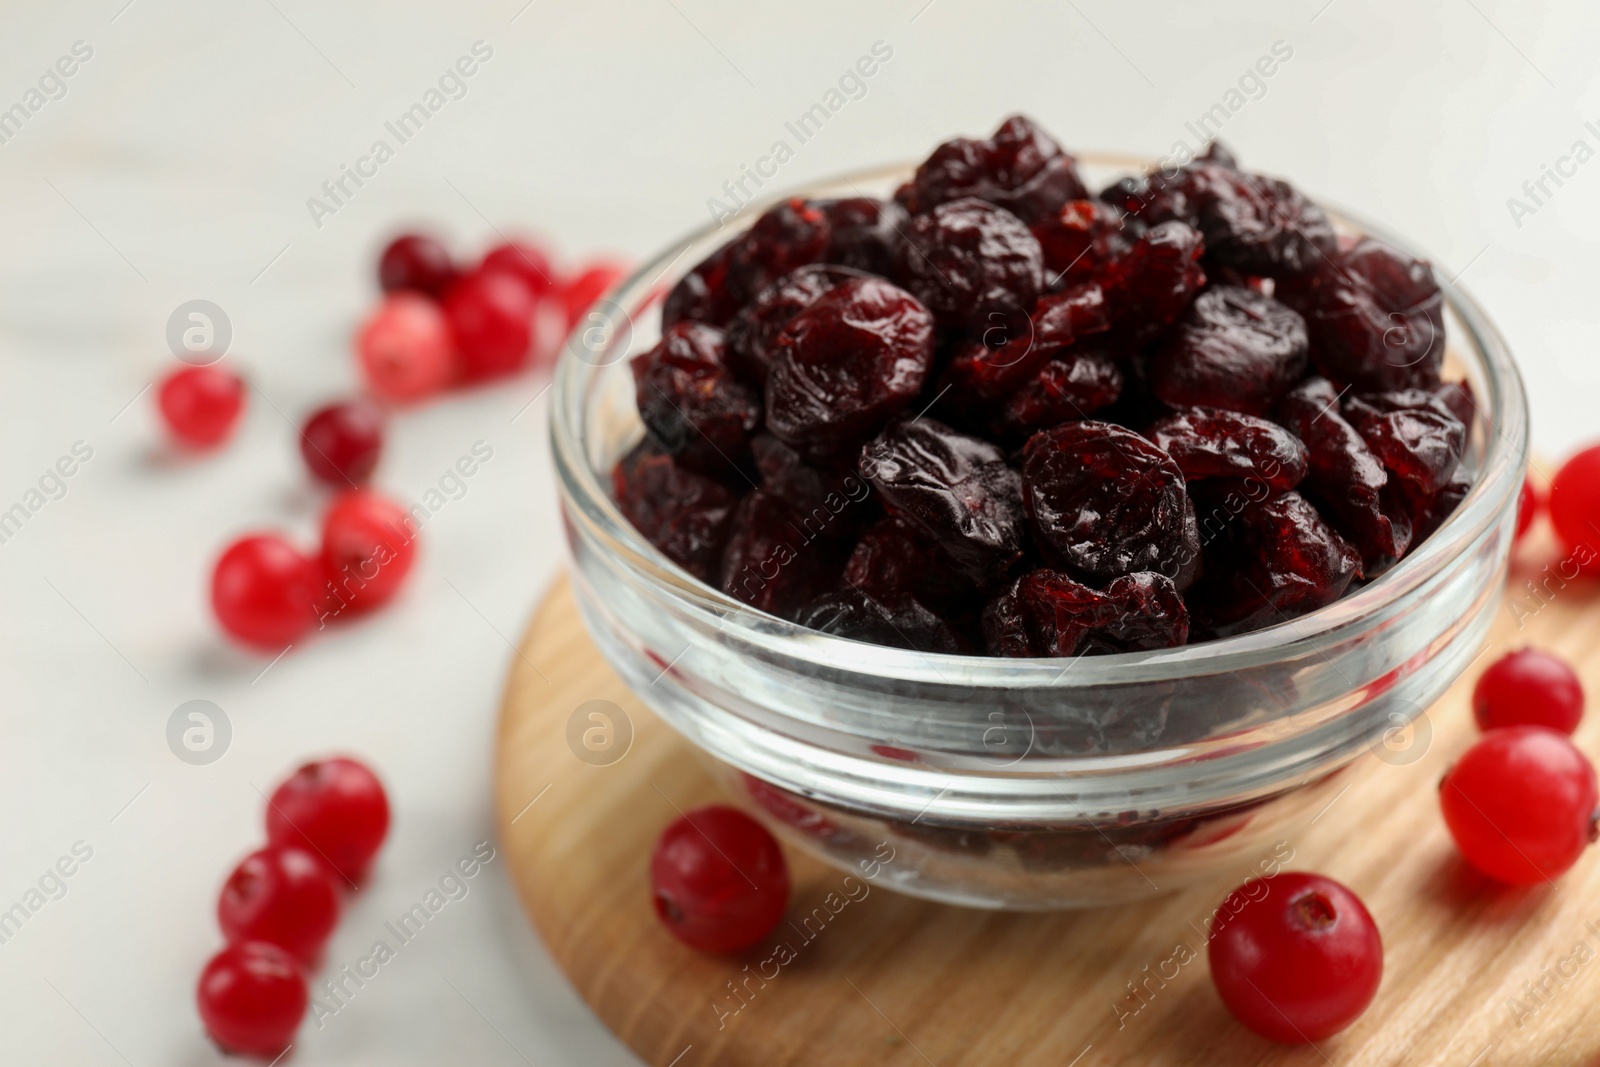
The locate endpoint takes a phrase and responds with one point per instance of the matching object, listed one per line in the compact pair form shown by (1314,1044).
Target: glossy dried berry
(1150,614)
(1079,240)
(691,401)
(973,264)
(1234,348)
(684,514)
(864,233)
(1103,502)
(896,621)
(1072,385)
(703,295)
(790,235)
(1375,317)
(1213,443)
(1345,478)
(955,490)
(847,365)
(785,474)
(772,561)
(1412,431)
(1047,613)
(1021,168)
(891,560)
(1004,359)
(1428,512)
(1156,279)
(1275,561)
(754,330)
(1252,223)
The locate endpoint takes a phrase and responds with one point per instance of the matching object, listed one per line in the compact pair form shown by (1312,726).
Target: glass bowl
(1028,783)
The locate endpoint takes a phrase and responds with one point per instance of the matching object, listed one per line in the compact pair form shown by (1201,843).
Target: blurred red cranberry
(583,289)
(490,316)
(368,546)
(201,404)
(405,348)
(418,262)
(252,997)
(341,442)
(263,591)
(283,895)
(335,809)
(523,260)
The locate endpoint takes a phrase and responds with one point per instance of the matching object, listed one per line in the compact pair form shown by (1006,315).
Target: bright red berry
(1521,804)
(418,262)
(368,547)
(524,261)
(341,442)
(252,997)
(719,878)
(405,348)
(283,895)
(1529,501)
(1295,957)
(583,289)
(490,317)
(263,591)
(1528,688)
(201,404)
(335,809)
(1574,505)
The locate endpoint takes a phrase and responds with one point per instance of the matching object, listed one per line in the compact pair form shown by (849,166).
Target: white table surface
(178,165)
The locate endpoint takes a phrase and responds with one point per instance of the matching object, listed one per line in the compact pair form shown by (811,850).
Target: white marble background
(178,165)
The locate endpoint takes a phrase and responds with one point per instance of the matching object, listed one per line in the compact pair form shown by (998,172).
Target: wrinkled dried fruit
(864,233)
(1234,348)
(1046,613)
(1412,431)
(1002,361)
(1150,614)
(1103,502)
(1375,317)
(1151,285)
(790,235)
(1212,443)
(955,490)
(1020,168)
(1074,384)
(892,560)
(1345,479)
(684,514)
(847,365)
(1428,512)
(702,295)
(1080,240)
(1255,224)
(692,402)
(785,473)
(899,622)
(772,562)
(973,264)
(754,331)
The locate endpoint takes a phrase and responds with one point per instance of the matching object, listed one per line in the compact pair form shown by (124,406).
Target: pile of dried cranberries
(1000,414)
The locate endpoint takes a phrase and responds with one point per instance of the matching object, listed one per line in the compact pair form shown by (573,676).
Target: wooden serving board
(1475,975)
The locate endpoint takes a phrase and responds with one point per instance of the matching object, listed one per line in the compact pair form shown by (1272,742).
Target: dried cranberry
(771,562)
(684,514)
(1345,478)
(864,233)
(785,474)
(1104,502)
(1213,443)
(1375,316)
(954,489)
(899,622)
(1150,614)
(1234,348)
(1253,223)
(1428,512)
(1412,431)
(790,235)
(1457,396)
(1080,240)
(1046,613)
(847,365)
(702,295)
(892,560)
(1020,168)
(1155,280)
(1277,560)
(973,264)
(691,401)
(1074,384)
(755,329)
(1000,363)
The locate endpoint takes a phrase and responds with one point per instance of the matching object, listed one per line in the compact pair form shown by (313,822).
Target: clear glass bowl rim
(1504,409)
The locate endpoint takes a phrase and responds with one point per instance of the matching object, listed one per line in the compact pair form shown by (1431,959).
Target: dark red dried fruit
(955,490)
(973,264)
(784,473)
(790,235)
(1020,168)
(847,365)
(1150,286)
(1003,360)
(1457,396)
(1046,613)
(1213,443)
(864,233)
(1412,431)
(1104,502)
(1080,240)
(1345,479)
(1276,561)
(1375,317)
(754,330)
(1252,223)
(773,563)
(691,401)
(1234,348)
(684,514)
(899,622)
(891,560)
(702,295)
(1075,383)
(1428,513)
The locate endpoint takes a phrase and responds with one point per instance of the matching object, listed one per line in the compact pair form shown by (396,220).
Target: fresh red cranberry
(335,809)
(1528,688)
(719,879)
(282,895)
(1529,501)
(252,997)
(368,547)
(201,404)
(418,262)
(405,348)
(1574,506)
(1521,804)
(580,291)
(263,591)
(490,317)
(341,442)
(524,261)
(1295,957)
